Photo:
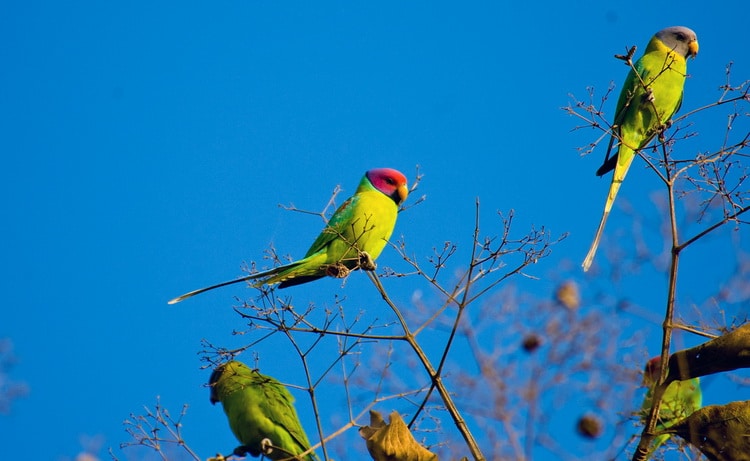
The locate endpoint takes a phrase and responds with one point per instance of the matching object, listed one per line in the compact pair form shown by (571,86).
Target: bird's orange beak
(403,192)
(693,48)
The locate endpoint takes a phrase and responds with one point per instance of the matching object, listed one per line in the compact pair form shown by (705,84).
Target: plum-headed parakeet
(354,236)
(260,412)
(651,95)
(680,400)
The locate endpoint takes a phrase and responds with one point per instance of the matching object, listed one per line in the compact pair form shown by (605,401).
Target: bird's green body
(358,231)
(680,400)
(650,96)
(260,411)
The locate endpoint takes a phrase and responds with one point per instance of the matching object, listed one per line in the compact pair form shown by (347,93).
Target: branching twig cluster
(158,430)
(468,354)
(309,331)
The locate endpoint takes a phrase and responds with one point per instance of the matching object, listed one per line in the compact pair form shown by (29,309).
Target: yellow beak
(693,48)
(403,192)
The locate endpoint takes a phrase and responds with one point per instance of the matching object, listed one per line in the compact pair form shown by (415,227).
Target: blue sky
(147,148)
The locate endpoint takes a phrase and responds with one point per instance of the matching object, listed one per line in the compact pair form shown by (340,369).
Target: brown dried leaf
(719,431)
(567,294)
(725,353)
(392,442)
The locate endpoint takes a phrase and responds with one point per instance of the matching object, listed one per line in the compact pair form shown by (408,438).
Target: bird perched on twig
(651,95)
(353,238)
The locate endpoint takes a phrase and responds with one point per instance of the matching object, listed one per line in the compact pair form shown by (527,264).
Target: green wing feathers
(334,226)
(680,400)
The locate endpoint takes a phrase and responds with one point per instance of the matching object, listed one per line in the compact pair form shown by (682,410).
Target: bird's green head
(219,375)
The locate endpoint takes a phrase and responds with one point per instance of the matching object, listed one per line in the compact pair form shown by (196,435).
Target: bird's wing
(336,226)
(279,407)
(630,92)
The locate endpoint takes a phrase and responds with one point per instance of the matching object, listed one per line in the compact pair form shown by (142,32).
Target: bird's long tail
(201,290)
(613,189)
(259,275)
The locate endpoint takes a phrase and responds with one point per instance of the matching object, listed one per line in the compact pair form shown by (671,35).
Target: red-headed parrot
(260,411)
(354,236)
(648,100)
(680,400)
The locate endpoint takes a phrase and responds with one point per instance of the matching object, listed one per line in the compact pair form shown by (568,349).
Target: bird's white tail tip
(586,265)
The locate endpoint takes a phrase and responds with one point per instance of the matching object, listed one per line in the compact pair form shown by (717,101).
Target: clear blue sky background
(147,147)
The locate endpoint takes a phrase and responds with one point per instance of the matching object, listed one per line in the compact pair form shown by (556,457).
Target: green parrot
(648,100)
(354,236)
(680,400)
(260,411)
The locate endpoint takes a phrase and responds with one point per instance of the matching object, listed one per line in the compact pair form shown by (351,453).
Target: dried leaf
(721,432)
(392,442)
(567,294)
(725,353)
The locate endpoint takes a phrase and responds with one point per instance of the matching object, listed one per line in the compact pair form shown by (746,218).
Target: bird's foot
(266,446)
(648,96)
(661,129)
(338,270)
(243,450)
(366,263)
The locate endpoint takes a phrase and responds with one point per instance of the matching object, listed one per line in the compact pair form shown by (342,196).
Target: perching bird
(648,100)
(354,236)
(260,412)
(680,400)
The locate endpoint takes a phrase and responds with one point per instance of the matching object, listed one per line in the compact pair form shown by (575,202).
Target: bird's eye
(680,36)
(390,181)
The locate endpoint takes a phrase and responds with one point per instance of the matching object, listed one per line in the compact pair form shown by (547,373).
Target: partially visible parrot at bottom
(680,400)
(261,413)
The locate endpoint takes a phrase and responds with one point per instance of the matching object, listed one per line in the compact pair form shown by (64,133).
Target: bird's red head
(390,182)
(651,373)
